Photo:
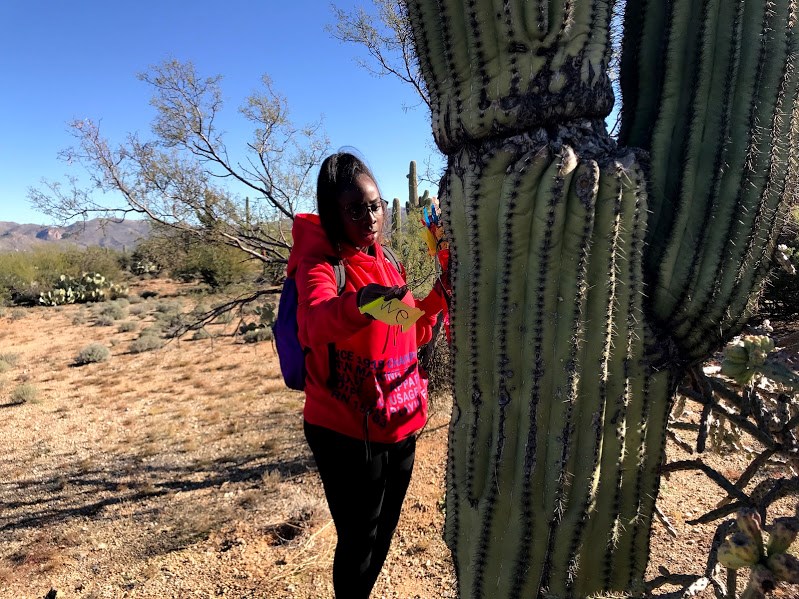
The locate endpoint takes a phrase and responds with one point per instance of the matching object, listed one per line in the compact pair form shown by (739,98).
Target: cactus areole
(588,272)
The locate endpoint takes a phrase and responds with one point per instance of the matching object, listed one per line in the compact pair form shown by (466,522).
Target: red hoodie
(362,375)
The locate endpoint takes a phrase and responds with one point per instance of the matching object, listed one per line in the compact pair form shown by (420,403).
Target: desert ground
(182,471)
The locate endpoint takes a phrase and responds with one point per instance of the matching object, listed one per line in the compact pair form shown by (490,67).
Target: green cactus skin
(587,276)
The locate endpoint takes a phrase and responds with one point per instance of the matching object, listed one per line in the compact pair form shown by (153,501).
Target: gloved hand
(372,291)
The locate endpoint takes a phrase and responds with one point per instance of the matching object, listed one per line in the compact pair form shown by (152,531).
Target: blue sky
(61,61)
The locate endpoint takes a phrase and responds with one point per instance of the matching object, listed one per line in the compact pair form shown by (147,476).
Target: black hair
(336,175)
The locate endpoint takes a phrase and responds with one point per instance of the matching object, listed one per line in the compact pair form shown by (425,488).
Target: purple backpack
(289,351)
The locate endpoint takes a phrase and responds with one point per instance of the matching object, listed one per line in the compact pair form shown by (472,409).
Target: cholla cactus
(768,564)
(588,274)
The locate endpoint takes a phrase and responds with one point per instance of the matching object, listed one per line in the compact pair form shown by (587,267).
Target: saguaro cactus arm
(719,120)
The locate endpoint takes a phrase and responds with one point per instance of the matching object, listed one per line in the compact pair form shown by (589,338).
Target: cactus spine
(562,374)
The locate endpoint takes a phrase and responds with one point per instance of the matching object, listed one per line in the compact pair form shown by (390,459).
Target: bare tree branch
(387,39)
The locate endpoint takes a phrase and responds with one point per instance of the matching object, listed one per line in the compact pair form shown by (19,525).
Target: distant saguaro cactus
(396,216)
(587,275)
(413,186)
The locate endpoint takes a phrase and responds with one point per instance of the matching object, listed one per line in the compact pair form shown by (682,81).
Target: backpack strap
(392,257)
(341,277)
(338,272)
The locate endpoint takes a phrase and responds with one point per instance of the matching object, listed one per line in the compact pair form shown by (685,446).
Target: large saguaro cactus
(587,275)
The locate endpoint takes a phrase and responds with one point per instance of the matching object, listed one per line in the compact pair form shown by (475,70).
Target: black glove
(372,291)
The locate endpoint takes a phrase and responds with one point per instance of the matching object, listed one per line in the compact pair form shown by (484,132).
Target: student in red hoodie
(365,399)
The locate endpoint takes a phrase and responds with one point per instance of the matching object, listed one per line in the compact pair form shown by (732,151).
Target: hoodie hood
(309,240)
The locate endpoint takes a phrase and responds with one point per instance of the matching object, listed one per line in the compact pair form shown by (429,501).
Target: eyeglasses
(359,211)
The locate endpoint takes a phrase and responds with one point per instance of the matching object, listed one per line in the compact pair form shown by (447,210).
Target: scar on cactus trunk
(586,276)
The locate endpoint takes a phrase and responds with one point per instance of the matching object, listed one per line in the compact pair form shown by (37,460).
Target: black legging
(365,498)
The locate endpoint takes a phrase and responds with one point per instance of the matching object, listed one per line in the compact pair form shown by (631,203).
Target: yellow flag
(393,312)
(430,240)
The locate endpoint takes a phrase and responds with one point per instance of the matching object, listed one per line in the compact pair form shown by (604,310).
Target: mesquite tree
(589,274)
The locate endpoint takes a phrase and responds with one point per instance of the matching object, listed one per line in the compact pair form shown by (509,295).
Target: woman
(365,398)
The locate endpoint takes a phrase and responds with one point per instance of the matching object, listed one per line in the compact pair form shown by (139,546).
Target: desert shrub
(218,266)
(113,310)
(135,299)
(22,273)
(185,257)
(412,252)
(103,321)
(9,358)
(92,353)
(2,310)
(177,324)
(18,314)
(163,250)
(8,361)
(248,309)
(96,260)
(145,343)
(79,318)
(24,393)
(138,310)
(224,318)
(436,357)
(168,307)
(127,326)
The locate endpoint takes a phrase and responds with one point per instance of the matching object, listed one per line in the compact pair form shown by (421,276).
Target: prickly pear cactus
(587,274)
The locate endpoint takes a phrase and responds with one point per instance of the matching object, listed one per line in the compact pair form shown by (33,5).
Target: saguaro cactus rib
(482,242)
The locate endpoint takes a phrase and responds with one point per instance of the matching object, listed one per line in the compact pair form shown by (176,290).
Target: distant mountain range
(112,234)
